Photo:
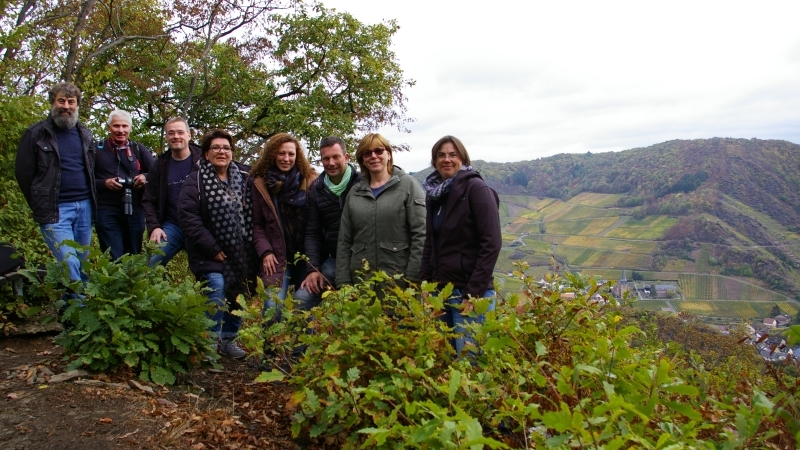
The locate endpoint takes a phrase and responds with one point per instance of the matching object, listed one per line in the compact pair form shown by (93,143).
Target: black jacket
(108,165)
(195,223)
(324,216)
(469,242)
(38,168)
(154,202)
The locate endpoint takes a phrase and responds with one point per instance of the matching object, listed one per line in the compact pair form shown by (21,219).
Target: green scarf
(338,189)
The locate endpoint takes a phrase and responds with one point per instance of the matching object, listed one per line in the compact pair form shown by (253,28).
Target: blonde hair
(371,142)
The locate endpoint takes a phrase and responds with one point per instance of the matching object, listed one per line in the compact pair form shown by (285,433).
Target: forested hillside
(735,201)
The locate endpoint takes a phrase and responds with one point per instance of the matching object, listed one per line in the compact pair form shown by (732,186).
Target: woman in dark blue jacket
(462,238)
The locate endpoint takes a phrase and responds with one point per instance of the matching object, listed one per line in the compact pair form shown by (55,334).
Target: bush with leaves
(552,372)
(130,315)
(16,221)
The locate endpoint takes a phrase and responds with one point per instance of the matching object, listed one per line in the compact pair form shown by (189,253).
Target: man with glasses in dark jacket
(325,200)
(164,182)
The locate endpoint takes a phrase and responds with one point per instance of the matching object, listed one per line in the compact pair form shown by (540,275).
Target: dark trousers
(120,232)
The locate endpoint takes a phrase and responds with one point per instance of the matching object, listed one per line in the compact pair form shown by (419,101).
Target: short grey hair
(124,115)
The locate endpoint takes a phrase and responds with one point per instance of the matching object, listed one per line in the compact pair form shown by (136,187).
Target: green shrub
(552,372)
(131,315)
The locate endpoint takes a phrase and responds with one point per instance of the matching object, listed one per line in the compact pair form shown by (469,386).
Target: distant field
(602,274)
(662,276)
(553,239)
(538,246)
(740,309)
(582,256)
(714,287)
(588,227)
(649,228)
(650,305)
(596,200)
(602,243)
(587,212)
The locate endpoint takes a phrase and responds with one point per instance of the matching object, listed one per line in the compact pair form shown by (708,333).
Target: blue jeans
(120,232)
(74,223)
(226,325)
(304,299)
(171,247)
(458,321)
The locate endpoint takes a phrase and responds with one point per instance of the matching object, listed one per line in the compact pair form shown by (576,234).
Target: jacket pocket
(394,256)
(357,254)
(45,154)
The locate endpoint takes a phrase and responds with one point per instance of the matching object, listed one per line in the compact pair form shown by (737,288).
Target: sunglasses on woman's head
(378,152)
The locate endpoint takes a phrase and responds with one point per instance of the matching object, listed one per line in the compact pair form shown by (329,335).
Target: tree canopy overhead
(254,67)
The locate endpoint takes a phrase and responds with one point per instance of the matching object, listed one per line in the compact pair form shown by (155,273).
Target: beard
(66,120)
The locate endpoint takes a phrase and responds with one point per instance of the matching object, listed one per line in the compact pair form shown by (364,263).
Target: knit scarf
(286,186)
(338,189)
(436,187)
(230,212)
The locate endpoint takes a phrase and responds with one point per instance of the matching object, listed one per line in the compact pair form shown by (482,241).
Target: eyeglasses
(221,148)
(378,152)
(176,133)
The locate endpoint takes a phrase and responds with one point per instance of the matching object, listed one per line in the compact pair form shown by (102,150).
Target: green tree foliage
(254,67)
(16,224)
(129,315)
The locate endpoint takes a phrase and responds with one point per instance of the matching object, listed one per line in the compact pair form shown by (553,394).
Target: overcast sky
(525,79)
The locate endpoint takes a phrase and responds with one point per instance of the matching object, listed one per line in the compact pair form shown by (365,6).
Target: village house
(665,290)
(782,320)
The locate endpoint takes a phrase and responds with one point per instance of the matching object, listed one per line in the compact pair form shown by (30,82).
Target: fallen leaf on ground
(13,396)
(128,434)
(10,350)
(105,420)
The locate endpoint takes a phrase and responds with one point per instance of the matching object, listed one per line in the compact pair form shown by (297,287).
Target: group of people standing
(237,222)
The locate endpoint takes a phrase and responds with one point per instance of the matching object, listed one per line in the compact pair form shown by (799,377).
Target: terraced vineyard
(598,239)
(732,309)
(715,287)
(649,228)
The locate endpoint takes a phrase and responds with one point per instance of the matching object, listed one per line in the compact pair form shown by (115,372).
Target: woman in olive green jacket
(383,219)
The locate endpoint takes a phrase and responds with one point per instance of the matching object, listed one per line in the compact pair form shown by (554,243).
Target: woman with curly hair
(281,178)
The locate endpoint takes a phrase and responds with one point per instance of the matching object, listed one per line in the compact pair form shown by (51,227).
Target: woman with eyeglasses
(216,219)
(383,218)
(281,178)
(462,240)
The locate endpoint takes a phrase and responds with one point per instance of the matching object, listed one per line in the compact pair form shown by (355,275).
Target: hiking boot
(229,347)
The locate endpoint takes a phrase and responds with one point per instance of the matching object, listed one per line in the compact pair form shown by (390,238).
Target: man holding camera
(121,167)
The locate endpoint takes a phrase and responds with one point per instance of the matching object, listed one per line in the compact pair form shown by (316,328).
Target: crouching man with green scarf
(325,200)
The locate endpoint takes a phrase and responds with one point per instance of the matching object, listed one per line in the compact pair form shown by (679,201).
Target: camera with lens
(127,194)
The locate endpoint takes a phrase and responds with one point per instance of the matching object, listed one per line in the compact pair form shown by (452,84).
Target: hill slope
(733,203)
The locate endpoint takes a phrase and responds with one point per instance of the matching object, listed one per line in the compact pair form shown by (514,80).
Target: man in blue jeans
(121,167)
(55,171)
(164,182)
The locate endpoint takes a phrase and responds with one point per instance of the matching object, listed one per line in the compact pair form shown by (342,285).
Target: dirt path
(207,410)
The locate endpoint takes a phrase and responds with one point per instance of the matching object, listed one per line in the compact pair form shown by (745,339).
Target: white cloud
(528,79)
